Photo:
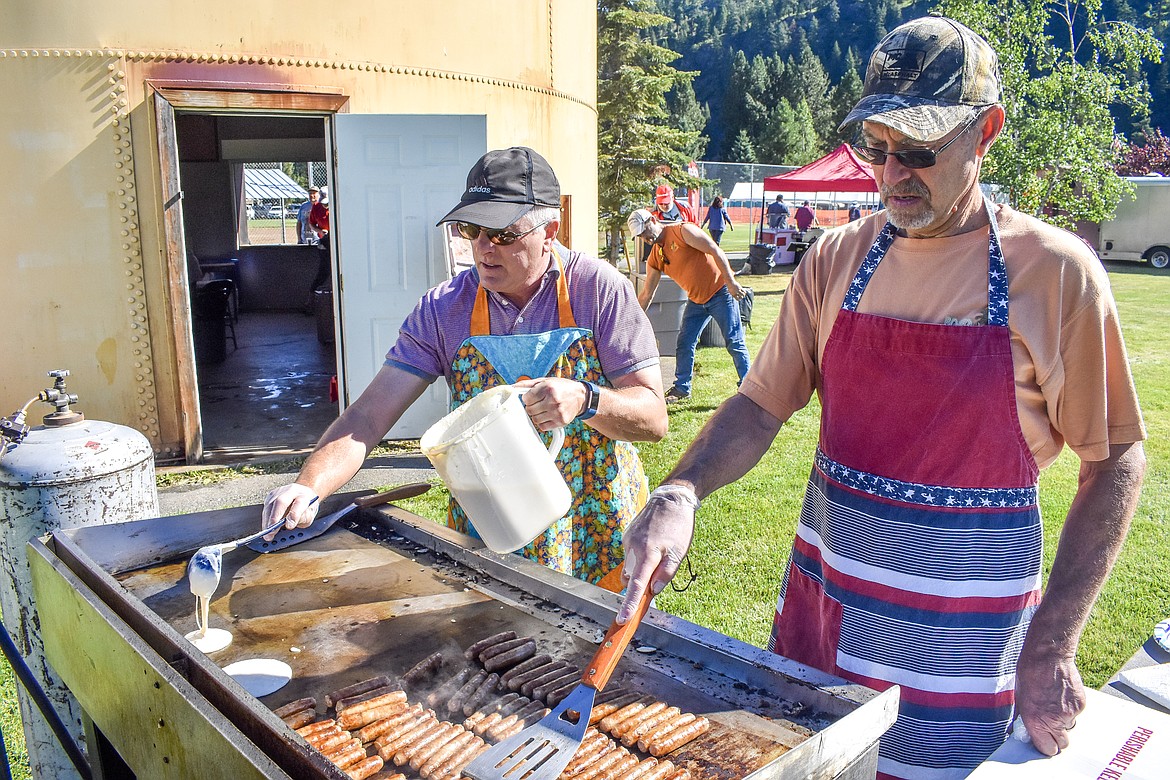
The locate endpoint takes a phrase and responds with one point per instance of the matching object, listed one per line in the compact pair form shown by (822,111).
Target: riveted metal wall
(84,259)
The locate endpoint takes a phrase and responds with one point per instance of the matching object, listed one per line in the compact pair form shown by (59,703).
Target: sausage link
(299,719)
(649,711)
(502,647)
(512,657)
(456,702)
(522,724)
(349,753)
(355,689)
(365,768)
(389,743)
(419,738)
(441,732)
(679,774)
(542,690)
(485,724)
(294,707)
(639,769)
(444,752)
(517,704)
(476,700)
(610,707)
(679,737)
(454,765)
(610,722)
(662,729)
(355,718)
(632,735)
(535,662)
(423,669)
(603,765)
(517,718)
(477,648)
(385,725)
(592,745)
(376,693)
(664,770)
(523,682)
(423,754)
(623,765)
(318,726)
(327,743)
(444,692)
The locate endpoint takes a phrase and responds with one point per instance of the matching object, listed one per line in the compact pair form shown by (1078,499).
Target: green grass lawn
(745,530)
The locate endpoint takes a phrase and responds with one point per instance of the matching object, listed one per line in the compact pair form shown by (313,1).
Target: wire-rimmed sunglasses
(498,237)
(911,158)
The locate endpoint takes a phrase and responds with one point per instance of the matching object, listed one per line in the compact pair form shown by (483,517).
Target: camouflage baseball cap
(926,77)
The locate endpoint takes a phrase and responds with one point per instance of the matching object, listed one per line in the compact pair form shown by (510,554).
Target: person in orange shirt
(689,256)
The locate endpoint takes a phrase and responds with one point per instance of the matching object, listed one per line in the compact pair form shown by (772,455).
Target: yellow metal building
(126,125)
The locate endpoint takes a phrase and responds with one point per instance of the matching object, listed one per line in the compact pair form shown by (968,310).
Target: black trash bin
(323,309)
(210,321)
(760,258)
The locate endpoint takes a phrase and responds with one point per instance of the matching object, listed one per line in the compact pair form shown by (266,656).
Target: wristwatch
(592,398)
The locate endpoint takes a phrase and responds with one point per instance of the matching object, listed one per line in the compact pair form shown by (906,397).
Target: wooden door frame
(218,98)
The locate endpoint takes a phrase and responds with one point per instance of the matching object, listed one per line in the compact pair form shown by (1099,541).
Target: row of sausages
(653,726)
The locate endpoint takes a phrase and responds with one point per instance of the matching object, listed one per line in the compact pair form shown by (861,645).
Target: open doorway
(260,288)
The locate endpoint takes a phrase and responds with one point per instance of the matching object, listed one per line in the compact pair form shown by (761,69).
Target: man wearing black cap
(955,347)
(534,314)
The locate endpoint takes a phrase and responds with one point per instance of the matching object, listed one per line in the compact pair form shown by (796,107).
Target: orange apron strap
(481,320)
(564,309)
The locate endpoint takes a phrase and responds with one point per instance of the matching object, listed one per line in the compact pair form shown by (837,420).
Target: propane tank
(67,472)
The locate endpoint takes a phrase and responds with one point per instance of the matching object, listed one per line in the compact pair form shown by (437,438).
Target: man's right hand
(655,543)
(295,503)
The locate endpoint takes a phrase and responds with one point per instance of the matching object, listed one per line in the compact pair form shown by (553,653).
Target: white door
(396,175)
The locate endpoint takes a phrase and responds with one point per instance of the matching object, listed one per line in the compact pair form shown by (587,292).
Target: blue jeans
(725,311)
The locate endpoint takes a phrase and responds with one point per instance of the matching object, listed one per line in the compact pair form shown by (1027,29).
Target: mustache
(911,188)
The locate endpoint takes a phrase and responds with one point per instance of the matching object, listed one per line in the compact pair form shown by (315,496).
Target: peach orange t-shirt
(1073,383)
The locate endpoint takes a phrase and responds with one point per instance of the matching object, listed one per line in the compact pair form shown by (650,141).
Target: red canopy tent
(839,171)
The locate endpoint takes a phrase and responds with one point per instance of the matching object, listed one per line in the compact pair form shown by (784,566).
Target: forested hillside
(776,76)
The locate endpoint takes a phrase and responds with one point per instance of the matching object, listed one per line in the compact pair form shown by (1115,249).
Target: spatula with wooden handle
(544,749)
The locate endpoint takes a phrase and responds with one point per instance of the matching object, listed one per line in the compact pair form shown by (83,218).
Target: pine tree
(687,115)
(634,137)
(742,149)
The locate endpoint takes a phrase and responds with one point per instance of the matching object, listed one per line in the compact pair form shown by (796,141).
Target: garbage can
(323,309)
(760,258)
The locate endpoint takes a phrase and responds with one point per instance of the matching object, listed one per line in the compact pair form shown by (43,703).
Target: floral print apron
(605,476)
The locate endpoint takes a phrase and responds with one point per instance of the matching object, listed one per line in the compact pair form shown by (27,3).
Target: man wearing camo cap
(956,346)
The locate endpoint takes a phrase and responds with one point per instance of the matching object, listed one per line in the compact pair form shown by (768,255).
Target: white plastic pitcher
(494,463)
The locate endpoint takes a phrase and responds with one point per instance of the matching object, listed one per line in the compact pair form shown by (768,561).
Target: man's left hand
(737,290)
(552,402)
(1049,696)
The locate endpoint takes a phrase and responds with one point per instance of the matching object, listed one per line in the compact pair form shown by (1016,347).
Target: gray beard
(910,222)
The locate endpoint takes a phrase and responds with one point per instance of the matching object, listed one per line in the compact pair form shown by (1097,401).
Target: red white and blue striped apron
(918,553)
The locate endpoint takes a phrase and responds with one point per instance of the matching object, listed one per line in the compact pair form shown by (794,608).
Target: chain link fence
(274,193)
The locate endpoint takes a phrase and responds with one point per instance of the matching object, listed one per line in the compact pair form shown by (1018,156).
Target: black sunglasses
(497,237)
(911,158)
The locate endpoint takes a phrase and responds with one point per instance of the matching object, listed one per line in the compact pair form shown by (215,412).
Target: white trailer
(1140,228)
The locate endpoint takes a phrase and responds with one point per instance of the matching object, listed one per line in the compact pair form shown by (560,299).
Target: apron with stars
(605,476)
(917,557)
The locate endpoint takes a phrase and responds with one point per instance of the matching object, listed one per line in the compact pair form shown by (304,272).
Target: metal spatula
(287,538)
(544,749)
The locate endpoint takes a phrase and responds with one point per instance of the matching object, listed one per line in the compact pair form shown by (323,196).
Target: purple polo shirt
(601,298)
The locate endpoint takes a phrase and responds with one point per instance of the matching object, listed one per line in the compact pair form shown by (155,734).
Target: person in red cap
(565,326)
(669,210)
(955,346)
